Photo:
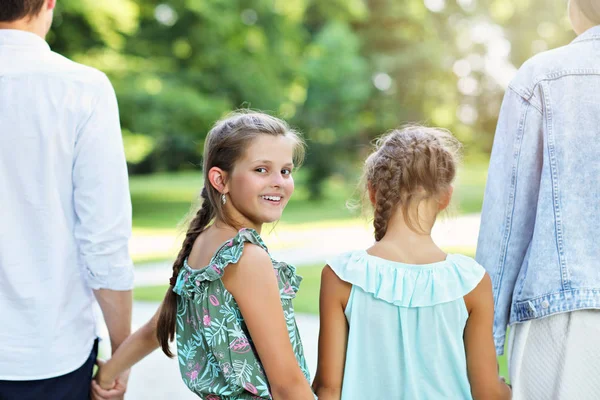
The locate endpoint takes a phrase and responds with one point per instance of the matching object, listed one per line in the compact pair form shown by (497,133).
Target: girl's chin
(270,218)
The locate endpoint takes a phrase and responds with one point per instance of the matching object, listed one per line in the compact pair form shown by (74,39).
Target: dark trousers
(72,386)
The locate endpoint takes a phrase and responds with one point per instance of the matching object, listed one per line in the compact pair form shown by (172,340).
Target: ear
(371,191)
(218,179)
(51,4)
(445,198)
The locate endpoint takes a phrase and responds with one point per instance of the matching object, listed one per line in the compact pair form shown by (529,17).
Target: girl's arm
(131,351)
(253,284)
(482,366)
(333,336)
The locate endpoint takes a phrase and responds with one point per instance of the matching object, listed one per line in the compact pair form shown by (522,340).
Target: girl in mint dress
(403,319)
(229,304)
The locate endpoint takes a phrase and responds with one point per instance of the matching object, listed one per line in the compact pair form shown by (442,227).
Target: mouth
(273,199)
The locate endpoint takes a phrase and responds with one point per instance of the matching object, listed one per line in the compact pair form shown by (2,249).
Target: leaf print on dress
(290,321)
(240,345)
(188,350)
(242,371)
(230,313)
(181,311)
(250,387)
(263,388)
(216,333)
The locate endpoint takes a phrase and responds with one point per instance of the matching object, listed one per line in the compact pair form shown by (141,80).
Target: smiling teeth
(272,198)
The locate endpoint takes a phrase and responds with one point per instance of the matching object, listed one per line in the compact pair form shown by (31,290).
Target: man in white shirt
(65,213)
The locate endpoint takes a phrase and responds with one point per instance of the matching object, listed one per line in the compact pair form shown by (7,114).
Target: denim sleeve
(510,202)
(101,195)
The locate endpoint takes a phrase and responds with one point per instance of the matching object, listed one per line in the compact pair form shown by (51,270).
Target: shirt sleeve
(101,195)
(510,202)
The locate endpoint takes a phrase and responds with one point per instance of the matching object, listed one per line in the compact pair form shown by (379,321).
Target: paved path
(315,246)
(157,376)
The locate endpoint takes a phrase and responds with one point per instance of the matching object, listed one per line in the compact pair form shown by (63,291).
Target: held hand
(108,388)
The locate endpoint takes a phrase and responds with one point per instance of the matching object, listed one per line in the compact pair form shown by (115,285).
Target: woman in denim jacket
(541,214)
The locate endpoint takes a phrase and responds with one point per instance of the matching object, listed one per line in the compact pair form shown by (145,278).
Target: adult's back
(540,214)
(65,207)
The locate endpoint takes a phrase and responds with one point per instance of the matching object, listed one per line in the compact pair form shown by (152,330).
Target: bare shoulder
(482,295)
(333,286)
(330,278)
(254,259)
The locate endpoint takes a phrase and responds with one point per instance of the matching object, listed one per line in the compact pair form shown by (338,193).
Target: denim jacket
(541,211)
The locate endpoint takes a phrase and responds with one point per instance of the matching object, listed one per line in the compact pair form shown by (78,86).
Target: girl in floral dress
(229,304)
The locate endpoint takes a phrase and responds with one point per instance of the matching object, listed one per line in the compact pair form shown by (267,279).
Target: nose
(277,180)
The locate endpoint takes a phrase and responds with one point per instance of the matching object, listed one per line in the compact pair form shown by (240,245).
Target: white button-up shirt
(65,210)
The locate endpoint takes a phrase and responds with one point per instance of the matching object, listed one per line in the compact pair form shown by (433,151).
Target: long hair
(225,144)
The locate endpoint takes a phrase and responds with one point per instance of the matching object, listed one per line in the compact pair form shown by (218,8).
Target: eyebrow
(270,162)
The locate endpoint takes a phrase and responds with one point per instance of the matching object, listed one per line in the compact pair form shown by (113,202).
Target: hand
(108,388)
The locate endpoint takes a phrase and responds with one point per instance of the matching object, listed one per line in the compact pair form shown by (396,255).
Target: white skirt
(556,358)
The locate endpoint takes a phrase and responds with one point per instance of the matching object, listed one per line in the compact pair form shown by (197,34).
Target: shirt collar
(590,34)
(14,37)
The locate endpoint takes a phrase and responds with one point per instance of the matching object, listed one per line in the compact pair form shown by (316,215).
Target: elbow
(501,391)
(328,393)
(291,389)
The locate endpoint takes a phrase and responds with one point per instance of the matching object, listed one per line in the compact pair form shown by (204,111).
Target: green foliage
(342,71)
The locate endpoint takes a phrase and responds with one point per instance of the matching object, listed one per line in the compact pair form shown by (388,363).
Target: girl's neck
(234,228)
(410,245)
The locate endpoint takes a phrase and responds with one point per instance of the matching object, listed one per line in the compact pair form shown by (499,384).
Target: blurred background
(340,71)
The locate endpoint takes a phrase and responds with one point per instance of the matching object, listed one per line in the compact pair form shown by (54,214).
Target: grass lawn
(306,302)
(161,201)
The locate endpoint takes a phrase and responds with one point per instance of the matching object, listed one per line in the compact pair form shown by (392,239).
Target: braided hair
(409,165)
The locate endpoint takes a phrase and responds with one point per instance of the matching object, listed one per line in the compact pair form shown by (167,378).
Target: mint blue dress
(406,325)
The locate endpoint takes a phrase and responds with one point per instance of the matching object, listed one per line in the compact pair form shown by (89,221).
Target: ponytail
(165,331)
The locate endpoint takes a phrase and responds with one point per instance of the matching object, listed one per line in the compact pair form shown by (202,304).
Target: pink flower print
(250,387)
(213,300)
(216,268)
(193,374)
(213,397)
(287,289)
(230,243)
(240,345)
(206,320)
(227,370)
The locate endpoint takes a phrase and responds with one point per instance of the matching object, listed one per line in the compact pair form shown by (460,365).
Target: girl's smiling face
(261,182)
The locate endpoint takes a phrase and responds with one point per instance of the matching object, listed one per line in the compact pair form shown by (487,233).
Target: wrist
(106,377)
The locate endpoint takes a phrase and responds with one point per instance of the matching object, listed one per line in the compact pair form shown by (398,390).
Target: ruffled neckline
(409,285)
(189,279)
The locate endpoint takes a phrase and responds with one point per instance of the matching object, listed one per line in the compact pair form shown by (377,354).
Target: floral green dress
(217,358)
